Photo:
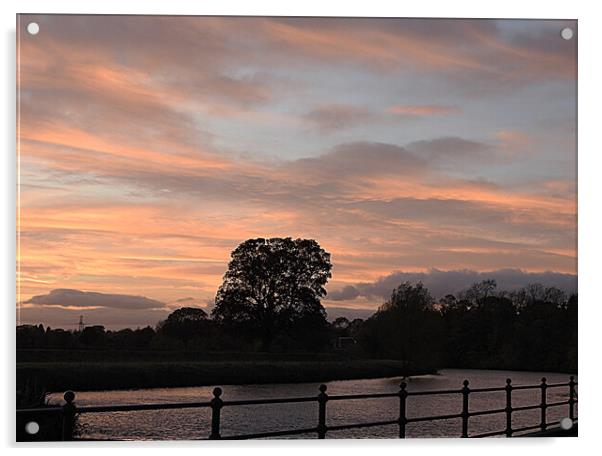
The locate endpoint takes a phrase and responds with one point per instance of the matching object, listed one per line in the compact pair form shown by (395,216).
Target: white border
(590,229)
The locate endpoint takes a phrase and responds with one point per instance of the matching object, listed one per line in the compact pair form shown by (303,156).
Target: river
(192,424)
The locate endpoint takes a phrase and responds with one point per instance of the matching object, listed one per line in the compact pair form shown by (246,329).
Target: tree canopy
(274,286)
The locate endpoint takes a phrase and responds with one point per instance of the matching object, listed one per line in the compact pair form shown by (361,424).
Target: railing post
(572,397)
(465,393)
(403,394)
(216,407)
(544,406)
(508,407)
(68,421)
(322,399)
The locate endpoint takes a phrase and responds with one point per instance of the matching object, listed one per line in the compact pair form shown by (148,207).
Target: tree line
(534,328)
(270,300)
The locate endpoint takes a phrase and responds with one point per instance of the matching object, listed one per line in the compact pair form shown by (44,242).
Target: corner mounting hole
(566,33)
(566,423)
(32,428)
(33,28)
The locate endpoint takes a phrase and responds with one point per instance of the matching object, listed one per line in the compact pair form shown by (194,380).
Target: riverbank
(87,376)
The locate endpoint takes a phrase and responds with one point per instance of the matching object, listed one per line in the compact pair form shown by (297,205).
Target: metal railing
(69,410)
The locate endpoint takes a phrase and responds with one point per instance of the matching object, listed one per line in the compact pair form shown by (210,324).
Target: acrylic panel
(295,227)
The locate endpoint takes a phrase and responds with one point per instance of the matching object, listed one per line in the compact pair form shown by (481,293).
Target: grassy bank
(119,355)
(60,376)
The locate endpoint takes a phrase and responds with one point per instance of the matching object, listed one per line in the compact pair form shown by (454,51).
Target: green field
(102,375)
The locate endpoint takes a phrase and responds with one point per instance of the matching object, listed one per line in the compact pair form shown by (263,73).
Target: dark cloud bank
(84,299)
(441,283)
(63,307)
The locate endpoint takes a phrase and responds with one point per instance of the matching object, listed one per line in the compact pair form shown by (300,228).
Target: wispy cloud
(336,117)
(151,146)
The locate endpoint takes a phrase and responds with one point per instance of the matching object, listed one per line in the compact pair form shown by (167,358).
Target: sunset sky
(150,147)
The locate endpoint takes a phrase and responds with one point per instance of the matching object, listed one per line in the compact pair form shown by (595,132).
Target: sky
(410,149)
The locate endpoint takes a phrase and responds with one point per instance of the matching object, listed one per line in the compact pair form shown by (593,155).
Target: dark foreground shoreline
(87,376)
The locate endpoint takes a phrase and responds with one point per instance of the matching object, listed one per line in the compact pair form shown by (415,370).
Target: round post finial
(217,391)
(69,396)
(323,388)
(465,383)
(403,385)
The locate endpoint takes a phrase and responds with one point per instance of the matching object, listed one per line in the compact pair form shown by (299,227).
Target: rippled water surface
(195,423)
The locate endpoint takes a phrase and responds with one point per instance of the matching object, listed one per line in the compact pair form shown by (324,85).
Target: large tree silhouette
(274,286)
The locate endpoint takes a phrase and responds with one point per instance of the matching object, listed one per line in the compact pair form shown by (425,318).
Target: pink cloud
(125,191)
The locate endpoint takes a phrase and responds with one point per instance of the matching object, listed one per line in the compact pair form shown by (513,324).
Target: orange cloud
(378,46)
(130,184)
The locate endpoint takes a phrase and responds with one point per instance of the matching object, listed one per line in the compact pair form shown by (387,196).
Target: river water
(190,424)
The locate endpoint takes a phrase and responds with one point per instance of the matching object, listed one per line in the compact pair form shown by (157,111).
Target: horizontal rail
(551,385)
(40,410)
(558,385)
(433,418)
(341,397)
(522,429)
(489,434)
(487,412)
(526,428)
(433,392)
(526,407)
(141,407)
(263,435)
(184,405)
(525,387)
(556,404)
(269,401)
(489,389)
(340,427)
